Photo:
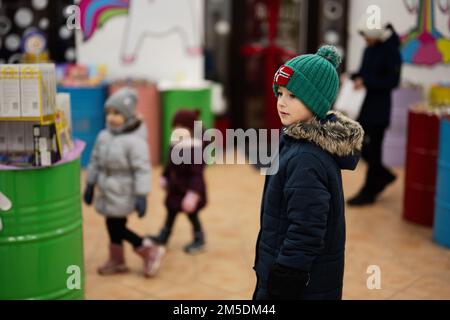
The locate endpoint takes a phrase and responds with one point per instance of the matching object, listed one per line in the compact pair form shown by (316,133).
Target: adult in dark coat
(184,180)
(301,243)
(379,74)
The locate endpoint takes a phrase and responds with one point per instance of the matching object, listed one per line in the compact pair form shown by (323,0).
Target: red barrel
(148,106)
(421,167)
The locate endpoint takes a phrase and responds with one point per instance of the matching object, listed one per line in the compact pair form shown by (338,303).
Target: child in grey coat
(120,168)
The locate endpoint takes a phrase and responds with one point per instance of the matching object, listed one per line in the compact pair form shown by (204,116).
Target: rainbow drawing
(95,13)
(425,45)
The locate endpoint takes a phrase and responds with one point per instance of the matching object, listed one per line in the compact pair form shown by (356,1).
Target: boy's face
(114,118)
(290,109)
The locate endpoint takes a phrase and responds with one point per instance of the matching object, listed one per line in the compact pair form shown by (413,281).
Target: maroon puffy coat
(184,177)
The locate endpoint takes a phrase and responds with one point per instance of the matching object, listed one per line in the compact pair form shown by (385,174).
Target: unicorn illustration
(425,45)
(146,18)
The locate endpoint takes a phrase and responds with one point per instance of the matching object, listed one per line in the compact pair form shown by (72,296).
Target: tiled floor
(412,266)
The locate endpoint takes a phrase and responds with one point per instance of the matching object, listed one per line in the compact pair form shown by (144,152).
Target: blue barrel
(442,203)
(88,117)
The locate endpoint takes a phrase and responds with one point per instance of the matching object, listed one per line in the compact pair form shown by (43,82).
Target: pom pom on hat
(331,54)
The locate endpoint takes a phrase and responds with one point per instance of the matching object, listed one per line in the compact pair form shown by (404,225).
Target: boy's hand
(358,84)
(89,194)
(141,206)
(286,283)
(190,201)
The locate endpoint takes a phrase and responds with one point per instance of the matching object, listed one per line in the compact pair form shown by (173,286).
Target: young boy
(120,168)
(300,247)
(185,183)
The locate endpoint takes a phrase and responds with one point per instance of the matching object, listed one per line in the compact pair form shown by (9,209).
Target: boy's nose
(281,103)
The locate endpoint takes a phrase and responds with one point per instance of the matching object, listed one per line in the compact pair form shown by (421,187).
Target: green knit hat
(312,78)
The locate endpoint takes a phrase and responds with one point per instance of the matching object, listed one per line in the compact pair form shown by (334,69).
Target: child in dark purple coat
(184,183)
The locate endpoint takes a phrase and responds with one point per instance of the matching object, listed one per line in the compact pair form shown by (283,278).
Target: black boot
(383,180)
(162,238)
(198,245)
(362,198)
(376,182)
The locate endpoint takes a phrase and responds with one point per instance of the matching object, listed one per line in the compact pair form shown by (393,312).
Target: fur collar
(338,134)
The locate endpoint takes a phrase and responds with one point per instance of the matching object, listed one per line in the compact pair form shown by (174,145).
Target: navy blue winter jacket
(302,211)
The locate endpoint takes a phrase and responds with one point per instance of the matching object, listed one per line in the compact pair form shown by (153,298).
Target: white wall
(395,12)
(161,55)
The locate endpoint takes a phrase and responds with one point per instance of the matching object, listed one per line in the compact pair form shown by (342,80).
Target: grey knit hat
(124,101)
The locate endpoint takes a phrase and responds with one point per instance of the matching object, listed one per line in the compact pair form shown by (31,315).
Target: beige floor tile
(403,295)
(230,275)
(412,266)
(108,290)
(430,288)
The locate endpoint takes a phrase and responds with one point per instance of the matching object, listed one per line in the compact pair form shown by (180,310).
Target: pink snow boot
(151,254)
(115,263)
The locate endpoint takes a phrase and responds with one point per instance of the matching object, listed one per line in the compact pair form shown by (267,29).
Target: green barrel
(176,99)
(41,236)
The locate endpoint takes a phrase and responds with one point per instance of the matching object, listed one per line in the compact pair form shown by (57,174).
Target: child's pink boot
(151,254)
(116,261)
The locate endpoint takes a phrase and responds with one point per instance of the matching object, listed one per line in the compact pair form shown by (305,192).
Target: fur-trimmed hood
(337,134)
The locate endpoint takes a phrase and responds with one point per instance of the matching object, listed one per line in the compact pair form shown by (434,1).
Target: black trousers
(193,218)
(118,231)
(372,153)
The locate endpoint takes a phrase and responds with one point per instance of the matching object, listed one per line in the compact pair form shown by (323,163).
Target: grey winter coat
(120,168)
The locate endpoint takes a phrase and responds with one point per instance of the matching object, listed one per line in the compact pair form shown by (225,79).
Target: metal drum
(41,236)
(174,99)
(88,115)
(421,165)
(442,208)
